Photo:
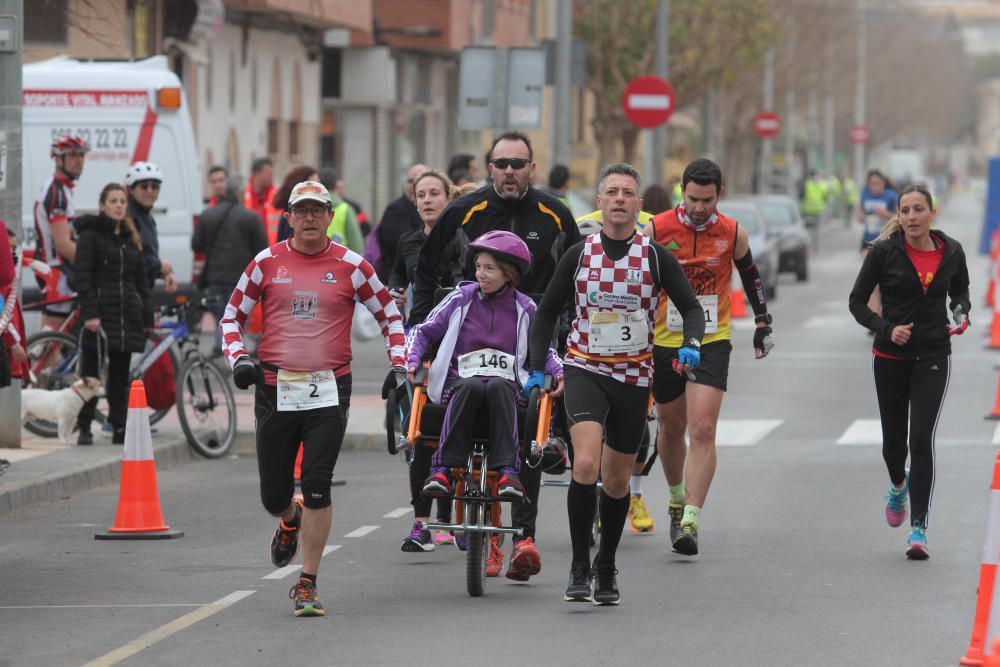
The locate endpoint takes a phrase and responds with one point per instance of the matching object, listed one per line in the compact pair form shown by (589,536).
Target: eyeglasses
(516,162)
(311,212)
(148,185)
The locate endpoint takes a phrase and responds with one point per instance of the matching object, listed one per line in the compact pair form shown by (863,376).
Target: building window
(253,84)
(47,21)
(293,137)
(272,136)
(331,73)
(232,81)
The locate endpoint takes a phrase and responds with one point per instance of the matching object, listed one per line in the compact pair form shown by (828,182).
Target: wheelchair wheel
(476,553)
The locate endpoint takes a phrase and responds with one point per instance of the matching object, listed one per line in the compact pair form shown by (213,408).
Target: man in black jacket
(230,235)
(399,219)
(507,202)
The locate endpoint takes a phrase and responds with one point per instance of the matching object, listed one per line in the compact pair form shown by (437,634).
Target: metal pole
(709,124)
(764,168)
(812,124)
(859,93)
(828,135)
(789,128)
(10,187)
(561,126)
(656,139)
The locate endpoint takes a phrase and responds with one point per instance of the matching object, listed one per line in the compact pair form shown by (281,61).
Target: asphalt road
(797,564)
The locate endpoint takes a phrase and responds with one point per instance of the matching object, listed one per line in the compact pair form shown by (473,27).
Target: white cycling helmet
(143,171)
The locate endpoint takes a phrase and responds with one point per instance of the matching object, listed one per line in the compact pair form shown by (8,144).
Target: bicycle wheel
(52,358)
(476,554)
(207,409)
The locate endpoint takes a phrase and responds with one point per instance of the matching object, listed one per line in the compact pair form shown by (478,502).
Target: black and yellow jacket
(541,220)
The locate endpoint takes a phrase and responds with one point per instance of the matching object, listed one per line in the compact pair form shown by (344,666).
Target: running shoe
(438,485)
(895,506)
(494,564)
(686,543)
(509,486)
(578,589)
(285,542)
(85,438)
(525,560)
(676,513)
(916,544)
(639,518)
(306,599)
(419,539)
(461,540)
(443,538)
(606,586)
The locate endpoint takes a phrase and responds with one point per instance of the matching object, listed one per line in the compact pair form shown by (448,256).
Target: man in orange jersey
(707,244)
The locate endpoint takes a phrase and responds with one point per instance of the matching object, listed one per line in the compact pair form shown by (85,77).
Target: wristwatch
(763,319)
(695,343)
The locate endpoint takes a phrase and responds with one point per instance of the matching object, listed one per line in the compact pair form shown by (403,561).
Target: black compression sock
(310,577)
(581,502)
(613,514)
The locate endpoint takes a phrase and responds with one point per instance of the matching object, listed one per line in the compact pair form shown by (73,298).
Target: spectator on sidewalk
(259,195)
(115,304)
(13,360)
(143,181)
(328,176)
(218,179)
(344,228)
(462,168)
(230,235)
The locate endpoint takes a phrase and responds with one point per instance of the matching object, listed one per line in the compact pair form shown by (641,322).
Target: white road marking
(362,531)
(996,436)
(744,432)
(153,636)
(99,606)
(283,572)
(862,432)
(398,512)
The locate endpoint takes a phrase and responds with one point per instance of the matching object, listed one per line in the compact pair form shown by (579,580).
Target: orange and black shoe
(525,560)
(285,542)
(509,485)
(437,485)
(306,599)
(494,564)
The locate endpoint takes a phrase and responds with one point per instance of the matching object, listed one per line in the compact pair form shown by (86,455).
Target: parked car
(784,222)
(763,246)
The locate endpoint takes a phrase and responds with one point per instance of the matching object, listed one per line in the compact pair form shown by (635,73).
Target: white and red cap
(310,191)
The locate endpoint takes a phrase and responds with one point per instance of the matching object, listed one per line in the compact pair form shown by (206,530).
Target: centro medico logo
(592,298)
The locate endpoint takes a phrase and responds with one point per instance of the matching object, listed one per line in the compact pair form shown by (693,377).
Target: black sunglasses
(515,162)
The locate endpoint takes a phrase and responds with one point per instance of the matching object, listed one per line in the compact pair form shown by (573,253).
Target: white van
(127,112)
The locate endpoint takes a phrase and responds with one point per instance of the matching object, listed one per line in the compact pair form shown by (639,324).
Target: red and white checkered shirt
(623,286)
(308,309)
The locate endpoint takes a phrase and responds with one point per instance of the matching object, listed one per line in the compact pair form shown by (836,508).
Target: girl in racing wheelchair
(482,328)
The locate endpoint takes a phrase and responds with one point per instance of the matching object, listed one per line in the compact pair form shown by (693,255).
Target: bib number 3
(306,390)
(486,362)
(618,333)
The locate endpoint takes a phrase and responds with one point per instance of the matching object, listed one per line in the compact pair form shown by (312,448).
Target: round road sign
(767,124)
(860,134)
(648,101)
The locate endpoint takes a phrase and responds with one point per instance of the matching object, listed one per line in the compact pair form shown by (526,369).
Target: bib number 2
(306,390)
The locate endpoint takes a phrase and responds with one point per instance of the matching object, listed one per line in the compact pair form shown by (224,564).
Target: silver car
(763,246)
(781,213)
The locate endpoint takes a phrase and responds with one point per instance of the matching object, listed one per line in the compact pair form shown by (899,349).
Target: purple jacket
(444,325)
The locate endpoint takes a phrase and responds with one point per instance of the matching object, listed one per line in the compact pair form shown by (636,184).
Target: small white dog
(60,405)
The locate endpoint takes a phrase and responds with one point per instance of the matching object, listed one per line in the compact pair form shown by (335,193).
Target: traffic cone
(139,516)
(982,622)
(993,659)
(738,305)
(994,330)
(995,412)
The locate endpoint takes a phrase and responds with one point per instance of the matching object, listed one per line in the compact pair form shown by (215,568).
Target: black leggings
(910,394)
(116,385)
(420,468)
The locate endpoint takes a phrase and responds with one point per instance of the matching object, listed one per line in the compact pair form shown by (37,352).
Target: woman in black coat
(114,300)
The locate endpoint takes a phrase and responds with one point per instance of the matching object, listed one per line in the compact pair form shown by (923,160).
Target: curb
(94,469)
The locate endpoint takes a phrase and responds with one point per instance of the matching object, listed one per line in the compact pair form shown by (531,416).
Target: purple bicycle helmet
(505,246)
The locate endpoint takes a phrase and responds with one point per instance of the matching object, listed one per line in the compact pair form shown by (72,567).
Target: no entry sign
(648,101)
(860,134)
(767,124)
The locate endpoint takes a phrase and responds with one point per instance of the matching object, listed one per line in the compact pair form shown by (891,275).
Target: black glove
(763,341)
(246,373)
(395,378)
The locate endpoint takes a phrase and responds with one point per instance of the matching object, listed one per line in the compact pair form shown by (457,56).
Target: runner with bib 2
(307,287)
(614,278)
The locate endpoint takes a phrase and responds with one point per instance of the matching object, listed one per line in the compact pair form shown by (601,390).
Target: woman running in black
(917,269)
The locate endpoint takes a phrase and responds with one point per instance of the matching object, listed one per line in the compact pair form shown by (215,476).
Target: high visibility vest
(677,196)
(337,231)
(834,191)
(598,217)
(850,192)
(813,198)
(269,215)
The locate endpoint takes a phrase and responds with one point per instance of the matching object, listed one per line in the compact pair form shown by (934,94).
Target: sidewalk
(43,471)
